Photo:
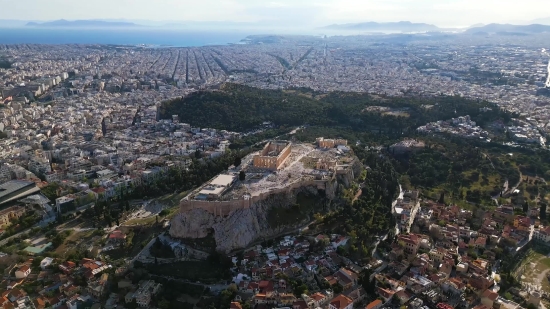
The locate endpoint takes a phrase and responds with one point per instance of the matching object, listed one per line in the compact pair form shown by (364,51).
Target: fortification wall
(224,208)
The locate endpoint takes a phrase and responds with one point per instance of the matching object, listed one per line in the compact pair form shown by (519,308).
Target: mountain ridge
(404,26)
(509,28)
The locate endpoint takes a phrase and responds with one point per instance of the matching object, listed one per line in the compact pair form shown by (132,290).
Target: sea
(149,37)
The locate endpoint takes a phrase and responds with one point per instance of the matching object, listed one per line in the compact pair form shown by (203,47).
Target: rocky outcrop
(241,227)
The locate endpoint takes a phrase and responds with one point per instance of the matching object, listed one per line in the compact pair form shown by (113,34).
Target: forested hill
(238,108)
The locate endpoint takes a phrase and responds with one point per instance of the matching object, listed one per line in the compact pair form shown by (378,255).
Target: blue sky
(447,13)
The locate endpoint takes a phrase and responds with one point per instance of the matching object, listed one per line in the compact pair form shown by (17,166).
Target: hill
(541,21)
(508,28)
(240,108)
(402,26)
(82,24)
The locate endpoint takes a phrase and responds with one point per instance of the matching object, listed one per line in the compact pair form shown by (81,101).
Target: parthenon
(273,155)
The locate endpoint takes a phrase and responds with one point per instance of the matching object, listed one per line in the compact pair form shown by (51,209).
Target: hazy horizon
(282,13)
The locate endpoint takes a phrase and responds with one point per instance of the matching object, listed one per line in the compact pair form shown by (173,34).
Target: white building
(542,235)
(46,262)
(22,272)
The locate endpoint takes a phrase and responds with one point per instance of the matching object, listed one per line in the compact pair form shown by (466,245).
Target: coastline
(155,38)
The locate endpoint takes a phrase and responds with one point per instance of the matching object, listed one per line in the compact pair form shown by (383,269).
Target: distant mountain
(508,28)
(476,26)
(83,24)
(402,26)
(541,21)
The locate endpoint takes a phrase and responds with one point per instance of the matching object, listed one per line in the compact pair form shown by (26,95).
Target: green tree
(365,281)
(237,161)
(300,289)
(164,304)
(337,288)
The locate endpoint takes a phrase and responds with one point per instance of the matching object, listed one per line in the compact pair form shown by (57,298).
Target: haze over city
(312,13)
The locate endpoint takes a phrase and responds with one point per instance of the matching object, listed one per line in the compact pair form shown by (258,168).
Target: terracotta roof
(117,235)
(373,304)
(341,302)
(490,294)
(24,268)
(300,304)
(318,296)
(235,305)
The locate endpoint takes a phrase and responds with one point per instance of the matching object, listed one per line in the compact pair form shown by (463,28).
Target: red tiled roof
(341,302)
(318,296)
(24,268)
(235,305)
(490,294)
(117,235)
(373,304)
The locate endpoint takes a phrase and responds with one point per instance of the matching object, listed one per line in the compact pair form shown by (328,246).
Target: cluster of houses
(269,276)
(444,263)
(447,263)
(69,285)
(54,285)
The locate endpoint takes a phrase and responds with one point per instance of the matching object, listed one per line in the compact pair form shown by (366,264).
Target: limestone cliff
(243,226)
(267,218)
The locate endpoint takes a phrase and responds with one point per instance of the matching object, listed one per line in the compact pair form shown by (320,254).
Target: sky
(443,13)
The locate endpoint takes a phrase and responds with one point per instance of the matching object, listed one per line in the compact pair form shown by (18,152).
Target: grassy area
(485,184)
(73,241)
(137,238)
(142,221)
(535,268)
(171,201)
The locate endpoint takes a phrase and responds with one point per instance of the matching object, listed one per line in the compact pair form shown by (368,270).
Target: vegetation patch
(240,108)
(294,214)
(203,271)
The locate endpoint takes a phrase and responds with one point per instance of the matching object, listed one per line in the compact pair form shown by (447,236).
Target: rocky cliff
(244,226)
(268,218)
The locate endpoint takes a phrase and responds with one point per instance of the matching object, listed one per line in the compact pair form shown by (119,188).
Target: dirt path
(542,276)
(357,195)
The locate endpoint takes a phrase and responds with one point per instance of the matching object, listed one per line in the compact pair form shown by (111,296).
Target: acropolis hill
(273,178)
(280,166)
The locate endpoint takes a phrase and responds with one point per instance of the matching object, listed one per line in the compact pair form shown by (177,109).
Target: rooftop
(16,189)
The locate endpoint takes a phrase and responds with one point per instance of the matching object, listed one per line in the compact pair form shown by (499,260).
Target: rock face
(245,226)
(241,227)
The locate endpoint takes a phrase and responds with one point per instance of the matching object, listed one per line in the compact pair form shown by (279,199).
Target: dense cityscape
(103,199)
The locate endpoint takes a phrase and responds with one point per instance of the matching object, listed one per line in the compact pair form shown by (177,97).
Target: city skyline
(309,13)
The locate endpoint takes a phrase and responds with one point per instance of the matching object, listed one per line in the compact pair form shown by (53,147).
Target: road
(413,215)
(131,263)
(374,250)
(3,242)
(77,229)
(277,137)
(515,187)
